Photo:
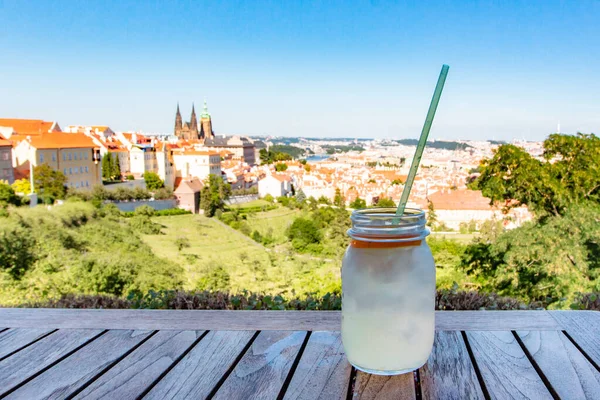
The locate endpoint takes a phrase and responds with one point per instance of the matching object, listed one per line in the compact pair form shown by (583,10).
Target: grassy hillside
(219,257)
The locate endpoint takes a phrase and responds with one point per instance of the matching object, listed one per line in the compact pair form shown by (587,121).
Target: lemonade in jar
(388,292)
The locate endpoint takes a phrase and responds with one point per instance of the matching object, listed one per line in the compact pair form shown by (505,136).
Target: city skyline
(365,70)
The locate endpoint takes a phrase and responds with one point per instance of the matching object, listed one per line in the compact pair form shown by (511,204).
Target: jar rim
(383,225)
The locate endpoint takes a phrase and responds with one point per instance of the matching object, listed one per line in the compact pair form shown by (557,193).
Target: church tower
(178,122)
(193,124)
(206,131)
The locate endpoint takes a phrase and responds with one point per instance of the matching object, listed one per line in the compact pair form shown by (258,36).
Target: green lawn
(249,265)
(253,203)
(276,221)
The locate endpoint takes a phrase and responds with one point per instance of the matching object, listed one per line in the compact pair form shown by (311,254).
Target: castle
(191,130)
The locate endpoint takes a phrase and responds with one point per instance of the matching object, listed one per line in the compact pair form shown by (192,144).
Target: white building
(275,185)
(196,163)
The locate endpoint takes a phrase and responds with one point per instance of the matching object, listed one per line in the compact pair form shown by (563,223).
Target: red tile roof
(60,140)
(460,200)
(4,142)
(27,126)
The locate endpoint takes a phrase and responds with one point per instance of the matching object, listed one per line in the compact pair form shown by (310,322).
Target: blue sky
(321,69)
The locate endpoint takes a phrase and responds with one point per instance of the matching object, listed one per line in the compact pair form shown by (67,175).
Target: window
(86,170)
(81,183)
(81,156)
(75,156)
(81,170)
(85,155)
(69,156)
(70,171)
(41,158)
(5,156)
(65,171)
(87,184)
(77,185)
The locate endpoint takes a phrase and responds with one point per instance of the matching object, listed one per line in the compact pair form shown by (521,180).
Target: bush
(586,301)
(163,194)
(144,225)
(269,198)
(182,243)
(304,232)
(144,210)
(130,177)
(16,249)
(218,300)
(215,279)
(153,181)
(171,211)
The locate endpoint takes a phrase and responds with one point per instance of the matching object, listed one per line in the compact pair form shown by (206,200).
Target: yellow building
(74,154)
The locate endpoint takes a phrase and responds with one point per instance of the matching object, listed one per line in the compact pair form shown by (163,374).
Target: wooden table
(170,354)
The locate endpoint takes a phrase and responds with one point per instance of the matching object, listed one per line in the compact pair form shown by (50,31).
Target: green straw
(414,166)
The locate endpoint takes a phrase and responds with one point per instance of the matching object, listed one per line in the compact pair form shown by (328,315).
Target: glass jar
(388,292)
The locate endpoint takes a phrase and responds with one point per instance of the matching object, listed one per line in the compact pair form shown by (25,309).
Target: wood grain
(378,387)
(129,378)
(584,328)
(200,370)
(568,371)
(14,339)
(262,371)
(39,355)
(323,371)
(449,373)
(506,371)
(254,320)
(73,372)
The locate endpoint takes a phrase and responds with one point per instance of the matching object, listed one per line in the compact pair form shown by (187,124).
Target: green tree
(106,167)
(213,195)
(115,167)
(269,198)
(568,174)
(431,214)
(324,200)
(358,203)
(541,261)
(338,199)
(300,196)
(153,181)
(280,167)
(385,202)
(303,232)
(50,184)
(8,196)
(16,249)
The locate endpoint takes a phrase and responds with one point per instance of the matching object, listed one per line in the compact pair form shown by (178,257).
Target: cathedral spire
(178,122)
(194,123)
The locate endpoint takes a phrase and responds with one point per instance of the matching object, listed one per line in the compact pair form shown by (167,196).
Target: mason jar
(388,292)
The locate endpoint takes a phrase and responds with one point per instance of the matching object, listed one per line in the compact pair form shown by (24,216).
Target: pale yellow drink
(388,285)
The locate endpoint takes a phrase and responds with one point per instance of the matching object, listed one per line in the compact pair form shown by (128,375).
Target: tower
(193,124)
(178,122)
(206,124)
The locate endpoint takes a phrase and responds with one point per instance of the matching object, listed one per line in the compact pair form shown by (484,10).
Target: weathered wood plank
(378,387)
(254,320)
(262,371)
(14,339)
(449,373)
(72,373)
(200,370)
(129,378)
(505,369)
(323,371)
(584,328)
(567,370)
(39,355)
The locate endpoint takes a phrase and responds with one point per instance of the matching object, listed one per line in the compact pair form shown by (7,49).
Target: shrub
(303,232)
(171,211)
(215,279)
(144,225)
(144,210)
(163,194)
(130,177)
(16,249)
(218,300)
(269,198)
(182,243)
(153,181)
